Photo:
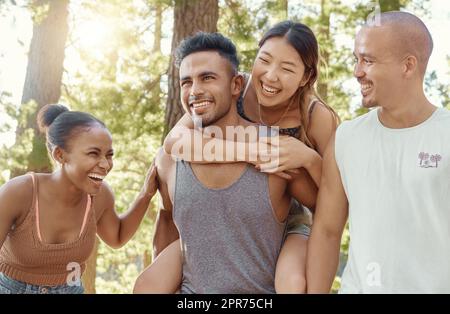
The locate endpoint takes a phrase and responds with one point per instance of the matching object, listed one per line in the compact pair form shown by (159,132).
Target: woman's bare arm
(199,146)
(116,230)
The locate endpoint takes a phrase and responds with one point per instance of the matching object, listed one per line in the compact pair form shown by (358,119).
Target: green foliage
(39,155)
(18,156)
(334,25)
(432,83)
(245,22)
(237,21)
(443,90)
(117,269)
(39,11)
(7,108)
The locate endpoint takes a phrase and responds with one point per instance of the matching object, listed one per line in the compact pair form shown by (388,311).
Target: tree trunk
(44,74)
(158,28)
(190,16)
(324,37)
(90,272)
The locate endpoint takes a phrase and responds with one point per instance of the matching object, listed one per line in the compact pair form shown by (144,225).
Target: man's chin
(368,104)
(207,123)
(200,123)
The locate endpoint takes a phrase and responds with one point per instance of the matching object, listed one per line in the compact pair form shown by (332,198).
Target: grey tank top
(230,237)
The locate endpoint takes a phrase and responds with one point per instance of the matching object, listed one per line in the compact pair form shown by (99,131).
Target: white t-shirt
(397,182)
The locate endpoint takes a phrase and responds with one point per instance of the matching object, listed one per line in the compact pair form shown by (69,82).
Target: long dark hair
(303,40)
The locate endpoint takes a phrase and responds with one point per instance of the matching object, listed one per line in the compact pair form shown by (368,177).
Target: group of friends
(259,215)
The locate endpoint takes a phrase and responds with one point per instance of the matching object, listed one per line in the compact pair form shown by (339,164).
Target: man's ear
(237,84)
(58,155)
(410,65)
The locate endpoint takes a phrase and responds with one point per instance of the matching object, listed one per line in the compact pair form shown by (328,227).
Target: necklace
(275,123)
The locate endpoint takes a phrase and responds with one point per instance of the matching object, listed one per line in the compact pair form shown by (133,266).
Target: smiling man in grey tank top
(230,218)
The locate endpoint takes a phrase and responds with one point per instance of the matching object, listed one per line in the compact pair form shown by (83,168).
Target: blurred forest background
(112,58)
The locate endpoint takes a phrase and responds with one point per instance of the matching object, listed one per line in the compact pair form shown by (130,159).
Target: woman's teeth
(270,90)
(96,177)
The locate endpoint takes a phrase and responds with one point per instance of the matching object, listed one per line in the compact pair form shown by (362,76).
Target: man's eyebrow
(205,73)
(363,54)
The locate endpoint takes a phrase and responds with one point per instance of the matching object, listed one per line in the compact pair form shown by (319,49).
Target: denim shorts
(12,286)
(299,220)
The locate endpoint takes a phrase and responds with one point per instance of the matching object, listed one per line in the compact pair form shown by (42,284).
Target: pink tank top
(25,257)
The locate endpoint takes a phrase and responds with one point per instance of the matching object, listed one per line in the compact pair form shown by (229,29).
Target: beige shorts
(299,220)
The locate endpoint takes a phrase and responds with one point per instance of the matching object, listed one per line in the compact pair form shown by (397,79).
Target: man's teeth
(201,104)
(270,90)
(365,87)
(96,176)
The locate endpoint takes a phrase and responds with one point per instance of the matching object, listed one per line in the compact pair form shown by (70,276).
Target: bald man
(388,171)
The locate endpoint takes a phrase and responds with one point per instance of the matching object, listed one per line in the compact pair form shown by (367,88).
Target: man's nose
(358,70)
(196,89)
